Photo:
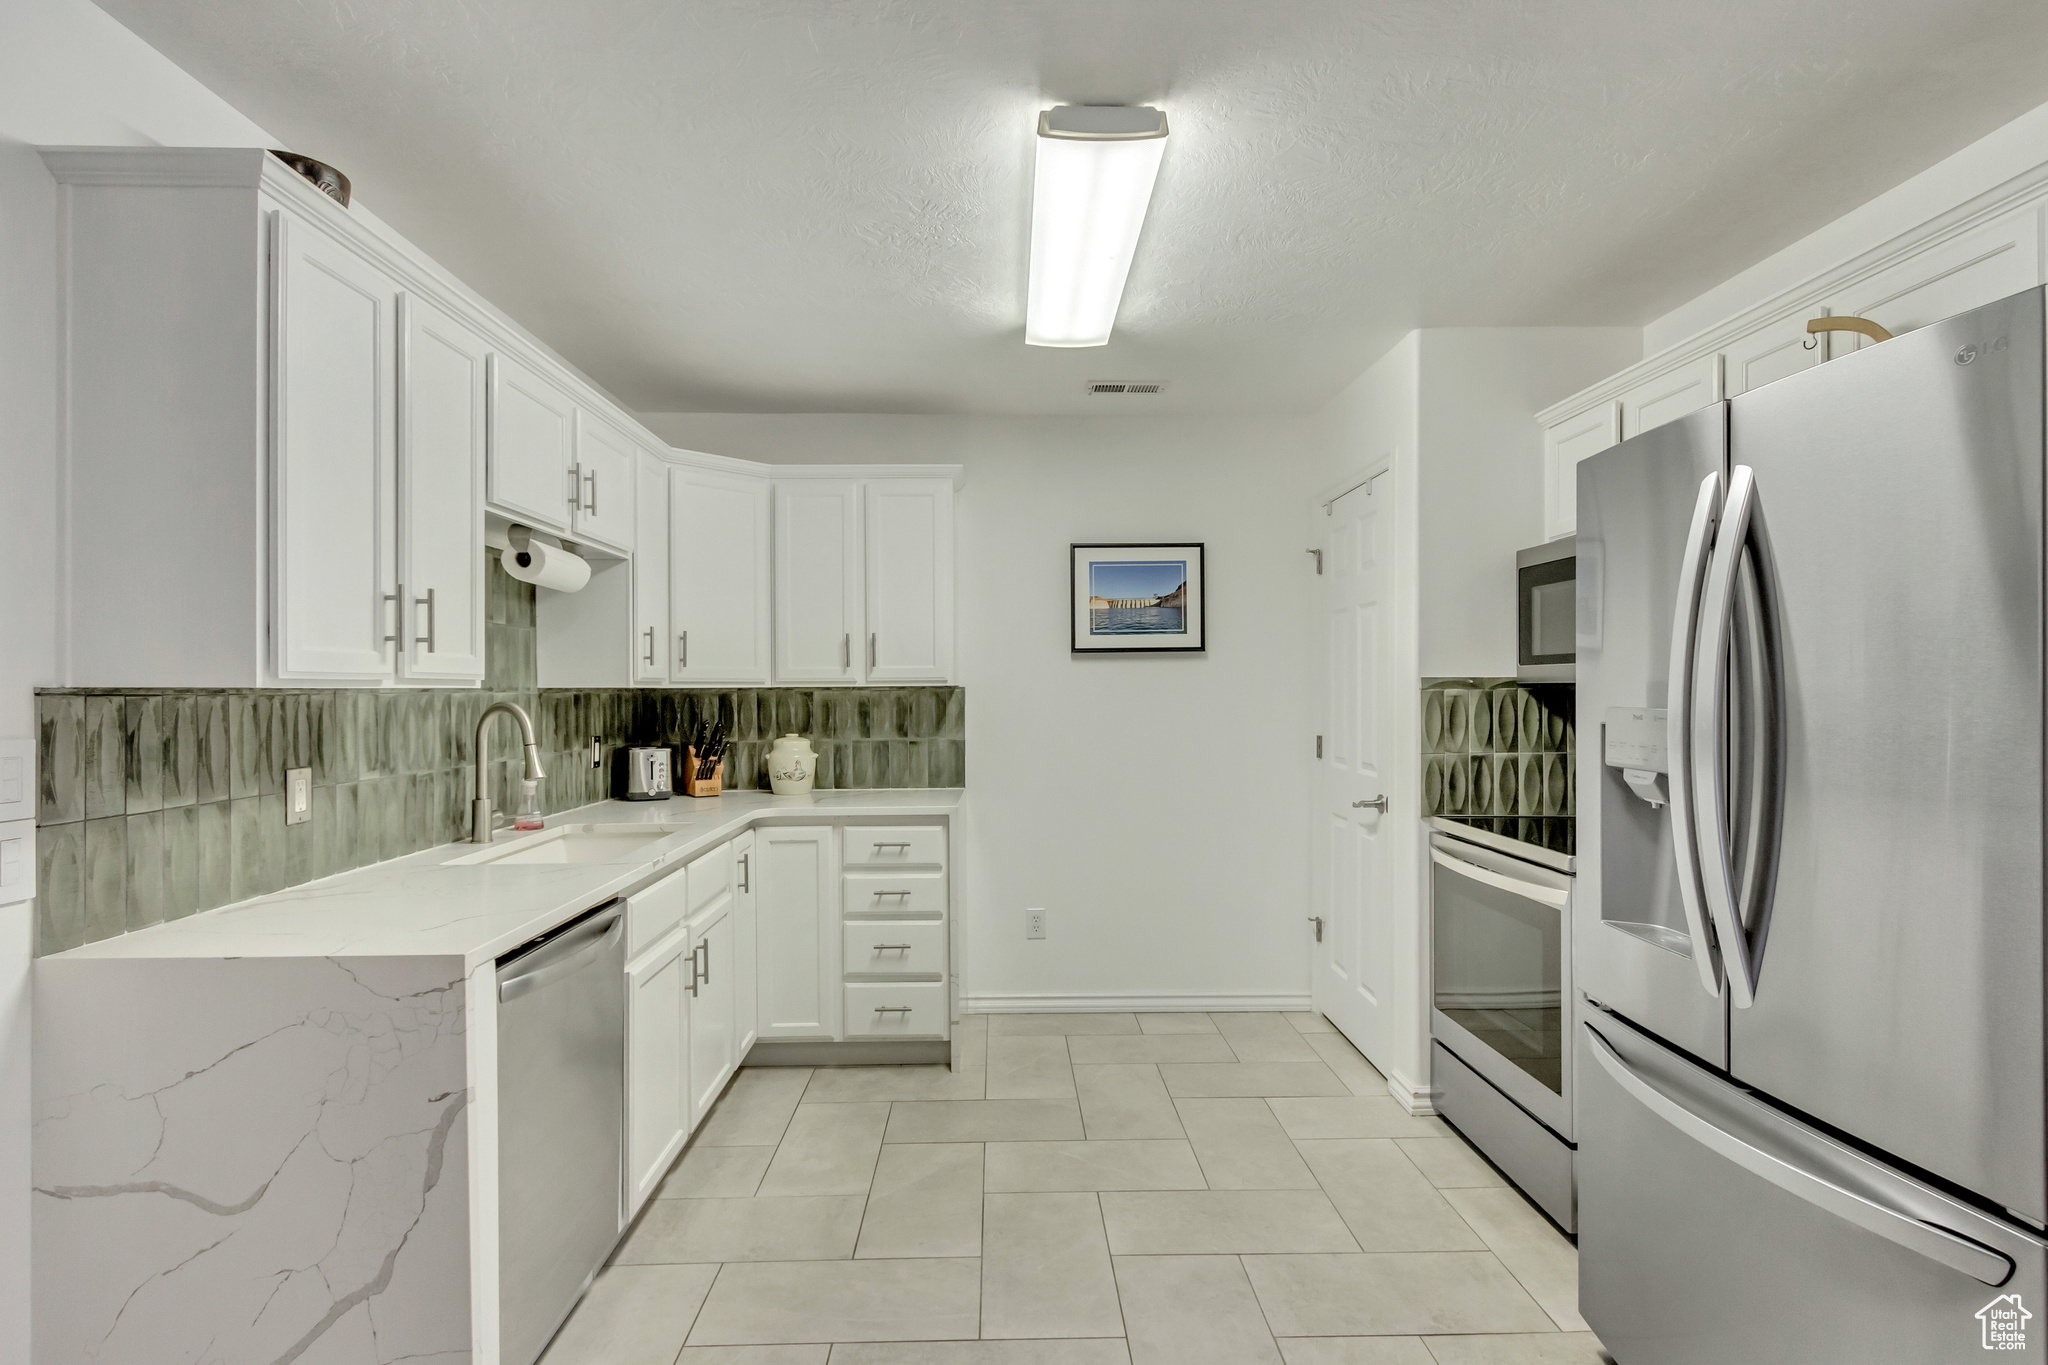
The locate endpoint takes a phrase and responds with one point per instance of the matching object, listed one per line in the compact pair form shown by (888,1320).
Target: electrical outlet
(1034,922)
(298,795)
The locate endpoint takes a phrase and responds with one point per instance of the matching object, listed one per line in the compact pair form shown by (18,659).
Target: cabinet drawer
(655,911)
(894,895)
(922,846)
(893,948)
(879,1009)
(710,876)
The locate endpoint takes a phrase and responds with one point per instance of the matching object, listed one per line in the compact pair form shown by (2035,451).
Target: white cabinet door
(604,468)
(657,1063)
(1670,395)
(909,537)
(533,430)
(818,631)
(1981,266)
(1772,352)
(441,398)
(1565,443)
(718,577)
(650,569)
(712,1045)
(796,928)
(746,1019)
(333,458)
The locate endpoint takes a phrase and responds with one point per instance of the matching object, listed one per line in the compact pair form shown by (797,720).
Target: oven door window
(1549,600)
(1500,972)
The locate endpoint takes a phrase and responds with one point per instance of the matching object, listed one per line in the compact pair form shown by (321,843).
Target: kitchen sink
(571,844)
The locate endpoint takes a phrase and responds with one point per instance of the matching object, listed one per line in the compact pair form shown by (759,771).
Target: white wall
(1481,470)
(68,74)
(1155,806)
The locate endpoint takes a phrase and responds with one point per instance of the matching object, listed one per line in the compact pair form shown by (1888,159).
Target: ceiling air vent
(1127,386)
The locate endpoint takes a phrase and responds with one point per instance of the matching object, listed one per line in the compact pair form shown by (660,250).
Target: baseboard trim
(1418,1100)
(853,1052)
(1098,1004)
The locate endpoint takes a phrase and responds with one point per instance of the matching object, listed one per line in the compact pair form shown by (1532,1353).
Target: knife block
(688,782)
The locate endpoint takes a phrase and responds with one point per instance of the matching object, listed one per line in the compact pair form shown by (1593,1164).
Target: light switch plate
(298,795)
(17,778)
(17,861)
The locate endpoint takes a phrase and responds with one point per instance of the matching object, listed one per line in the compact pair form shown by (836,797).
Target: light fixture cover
(1096,166)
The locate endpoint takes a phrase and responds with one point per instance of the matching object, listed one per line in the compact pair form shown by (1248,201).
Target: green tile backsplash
(153,805)
(1493,747)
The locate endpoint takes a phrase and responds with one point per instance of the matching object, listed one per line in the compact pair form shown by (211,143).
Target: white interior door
(1353,963)
(440,495)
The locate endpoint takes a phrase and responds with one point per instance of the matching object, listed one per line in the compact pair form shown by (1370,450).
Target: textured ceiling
(775,205)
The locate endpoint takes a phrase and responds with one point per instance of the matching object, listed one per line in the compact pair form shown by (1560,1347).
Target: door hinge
(1319,746)
(1319,559)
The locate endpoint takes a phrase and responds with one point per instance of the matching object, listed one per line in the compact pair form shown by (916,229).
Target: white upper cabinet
(909,537)
(1777,351)
(604,471)
(718,577)
(441,585)
(1671,395)
(650,568)
(334,430)
(533,433)
(819,636)
(1981,266)
(1565,443)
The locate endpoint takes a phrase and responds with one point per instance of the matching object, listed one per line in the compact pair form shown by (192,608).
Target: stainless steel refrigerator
(1809,920)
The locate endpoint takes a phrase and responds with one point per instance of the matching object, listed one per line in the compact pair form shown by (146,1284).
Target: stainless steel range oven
(1500,1017)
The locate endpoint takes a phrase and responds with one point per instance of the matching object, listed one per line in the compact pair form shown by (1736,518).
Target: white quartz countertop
(431,905)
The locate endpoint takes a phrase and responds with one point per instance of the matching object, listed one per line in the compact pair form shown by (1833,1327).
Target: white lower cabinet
(796,928)
(658,1092)
(713,1047)
(746,1016)
(905,1009)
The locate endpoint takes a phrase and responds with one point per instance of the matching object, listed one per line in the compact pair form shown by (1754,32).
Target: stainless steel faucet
(480,808)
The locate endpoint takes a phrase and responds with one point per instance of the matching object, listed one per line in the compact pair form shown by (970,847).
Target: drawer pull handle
(904,844)
(904,894)
(892,947)
(892,1009)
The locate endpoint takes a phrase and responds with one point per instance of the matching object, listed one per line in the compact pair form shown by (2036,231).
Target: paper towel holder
(521,542)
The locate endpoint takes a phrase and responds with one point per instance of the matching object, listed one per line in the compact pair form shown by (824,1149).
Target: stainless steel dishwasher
(561,1122)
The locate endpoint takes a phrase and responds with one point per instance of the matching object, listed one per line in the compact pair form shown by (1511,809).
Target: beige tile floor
(1085,1189)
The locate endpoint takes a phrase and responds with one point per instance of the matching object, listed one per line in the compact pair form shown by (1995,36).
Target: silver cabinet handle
(397,613)
(591,478)
(745,876)
(905,844)
(683,649)
(705,947)
(871,651)
(1914,1233)
(892,947)
(650,646)
(1678,738)
(1378,803)
(1317,920)
(428,603)
(695,975)
(892,1009)
(575,487)
(1740,915)
(904,894)
(846,651)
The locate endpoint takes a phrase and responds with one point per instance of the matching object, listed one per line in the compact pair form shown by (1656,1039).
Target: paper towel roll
(547,566)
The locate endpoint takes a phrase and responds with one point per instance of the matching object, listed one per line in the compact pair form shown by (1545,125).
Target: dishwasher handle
(565,955)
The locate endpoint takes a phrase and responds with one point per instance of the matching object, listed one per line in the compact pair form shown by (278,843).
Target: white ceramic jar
(792,766)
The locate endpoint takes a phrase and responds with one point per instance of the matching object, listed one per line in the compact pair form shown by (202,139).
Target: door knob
(1378,803)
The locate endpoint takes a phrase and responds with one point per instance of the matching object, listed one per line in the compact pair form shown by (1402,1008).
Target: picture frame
(1138,598)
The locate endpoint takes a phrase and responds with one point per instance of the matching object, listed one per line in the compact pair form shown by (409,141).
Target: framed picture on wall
(1137,599)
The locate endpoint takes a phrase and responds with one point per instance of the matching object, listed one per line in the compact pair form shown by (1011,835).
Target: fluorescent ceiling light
(1096,165)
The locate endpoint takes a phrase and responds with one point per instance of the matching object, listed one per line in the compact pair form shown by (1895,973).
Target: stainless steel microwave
(1546,591)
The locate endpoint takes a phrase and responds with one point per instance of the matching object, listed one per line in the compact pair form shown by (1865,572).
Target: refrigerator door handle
(1937,1243)
(1685,618)
(1545,895)
(1739,914)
